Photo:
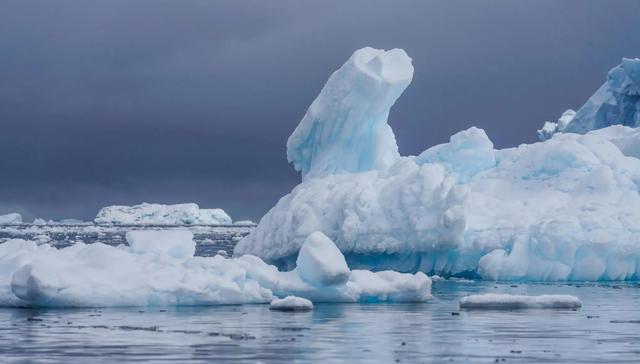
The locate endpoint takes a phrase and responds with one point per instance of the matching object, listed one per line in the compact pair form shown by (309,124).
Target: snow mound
(563,209)
(494,301)
(291,303)
(154,271)
(157,214)
(175,243)
(617,101)
(345,129)
(11,219)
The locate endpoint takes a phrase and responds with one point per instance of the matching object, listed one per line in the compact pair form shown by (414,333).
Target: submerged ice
(563,209)
(158,268)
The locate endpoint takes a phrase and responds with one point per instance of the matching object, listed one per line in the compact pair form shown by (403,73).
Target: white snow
(157,214)
(10,219)
(494,301)
(98,275)
(175,243)
(291,303)
(563,209)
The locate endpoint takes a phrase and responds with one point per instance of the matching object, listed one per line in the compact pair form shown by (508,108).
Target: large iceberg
(563,209)
(617,102)
(11,219)
(158,214)
(158,268)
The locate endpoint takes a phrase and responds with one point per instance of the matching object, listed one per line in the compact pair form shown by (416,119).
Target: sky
(122,102)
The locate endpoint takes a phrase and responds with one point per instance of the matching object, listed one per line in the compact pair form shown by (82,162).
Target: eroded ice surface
(563,209)
(164,274)
(158,214)
(502,301)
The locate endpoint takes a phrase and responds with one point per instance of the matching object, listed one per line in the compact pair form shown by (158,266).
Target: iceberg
(617,102)
(157,214)
(499,301)
(158,268)
(11,219)
(563,209)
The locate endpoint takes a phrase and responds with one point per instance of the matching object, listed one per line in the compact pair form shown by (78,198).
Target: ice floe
(159,269)
(496,301)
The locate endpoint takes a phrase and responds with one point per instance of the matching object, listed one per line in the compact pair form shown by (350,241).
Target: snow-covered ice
(320,262)
(11,219)
(500,301)
(155,269)
(563,209)
(157,214)
(291,303)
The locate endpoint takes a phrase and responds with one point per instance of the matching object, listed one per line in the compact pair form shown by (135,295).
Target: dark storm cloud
(107,102)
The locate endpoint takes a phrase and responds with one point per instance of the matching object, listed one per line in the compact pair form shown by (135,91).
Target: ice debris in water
(498,301)
(291,303)
(10,219)
(158,268)
(617,101)
(157,214)
(563,209)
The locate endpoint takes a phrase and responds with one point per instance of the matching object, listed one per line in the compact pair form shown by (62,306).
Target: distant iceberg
(158,268)
(563,209)
(10,219)
(617,102)
(157,214)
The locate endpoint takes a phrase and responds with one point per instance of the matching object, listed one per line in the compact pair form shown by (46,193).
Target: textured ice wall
(345,129)
(158,214)
(617,102)
(563,209)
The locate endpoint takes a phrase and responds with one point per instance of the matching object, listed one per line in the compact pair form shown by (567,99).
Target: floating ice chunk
(495,301)
(345,129)
(320,262)
(244,222)
(176,243)
(157,214)
(10,219)
(151,272)
(291,303)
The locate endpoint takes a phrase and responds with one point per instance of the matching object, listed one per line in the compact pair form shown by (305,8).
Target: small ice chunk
(320,262)
(176,243)
(497,301)
(291,303)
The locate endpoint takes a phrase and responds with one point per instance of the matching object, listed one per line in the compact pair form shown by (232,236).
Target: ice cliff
(158,268)
(157,214)
(563,209)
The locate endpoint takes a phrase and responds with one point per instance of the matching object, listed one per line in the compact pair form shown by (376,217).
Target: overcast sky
(120,102)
